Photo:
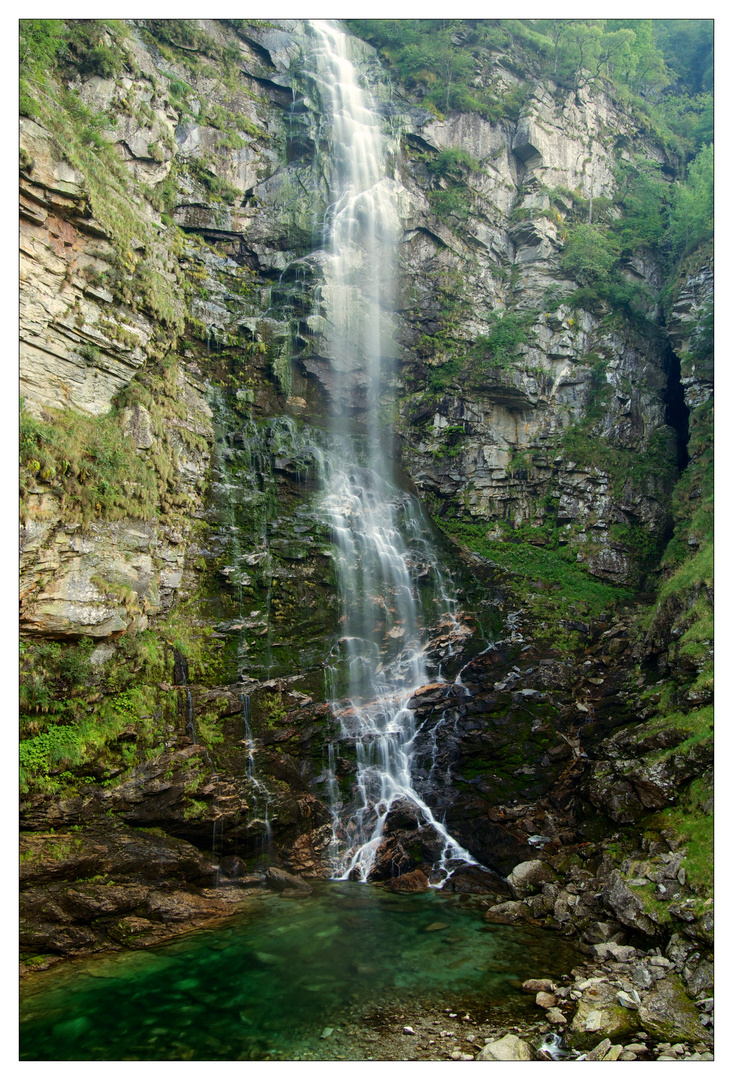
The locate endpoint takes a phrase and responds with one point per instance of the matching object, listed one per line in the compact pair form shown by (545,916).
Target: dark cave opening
(676,413)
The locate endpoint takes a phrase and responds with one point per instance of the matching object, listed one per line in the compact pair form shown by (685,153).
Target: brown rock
(535,986)
(414,881)
(279,880)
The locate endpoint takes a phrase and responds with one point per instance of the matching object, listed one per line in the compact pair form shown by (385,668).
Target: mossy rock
(669,1015)
(598,1017)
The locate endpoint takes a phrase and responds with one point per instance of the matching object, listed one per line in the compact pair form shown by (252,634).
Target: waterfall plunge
(380,644)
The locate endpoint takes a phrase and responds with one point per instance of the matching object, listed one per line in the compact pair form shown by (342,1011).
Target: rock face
(177,375)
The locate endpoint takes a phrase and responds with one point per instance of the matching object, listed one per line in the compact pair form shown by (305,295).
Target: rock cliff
(178,593)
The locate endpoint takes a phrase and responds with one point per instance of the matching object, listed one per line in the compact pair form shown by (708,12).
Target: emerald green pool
(269,983)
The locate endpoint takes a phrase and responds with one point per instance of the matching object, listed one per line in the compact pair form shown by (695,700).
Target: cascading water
(260,810)
(380,654)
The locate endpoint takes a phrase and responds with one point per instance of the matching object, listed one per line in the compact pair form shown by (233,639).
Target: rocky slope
(178,596)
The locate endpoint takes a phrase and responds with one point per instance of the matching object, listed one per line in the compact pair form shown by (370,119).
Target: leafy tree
(643,196)
(693,205)
(588,255)
(687,46)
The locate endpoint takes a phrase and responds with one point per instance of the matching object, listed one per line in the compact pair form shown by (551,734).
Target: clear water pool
(270,982)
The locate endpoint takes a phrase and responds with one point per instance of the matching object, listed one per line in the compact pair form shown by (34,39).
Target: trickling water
(380,657)
(260,809)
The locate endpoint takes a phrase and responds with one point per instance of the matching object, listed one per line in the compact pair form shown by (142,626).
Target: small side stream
(352,961)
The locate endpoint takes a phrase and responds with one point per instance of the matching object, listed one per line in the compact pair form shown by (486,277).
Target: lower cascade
(381,632)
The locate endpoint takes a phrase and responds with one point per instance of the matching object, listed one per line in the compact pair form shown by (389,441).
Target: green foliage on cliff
(73,714)
(693,206)
(588,255)
(508,331)
(549,582)
(453,63)
(90,463)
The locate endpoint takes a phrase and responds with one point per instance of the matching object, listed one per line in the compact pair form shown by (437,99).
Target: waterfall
(380,656)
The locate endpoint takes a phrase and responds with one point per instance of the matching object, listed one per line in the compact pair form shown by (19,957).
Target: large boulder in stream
(283,882)
(414,881)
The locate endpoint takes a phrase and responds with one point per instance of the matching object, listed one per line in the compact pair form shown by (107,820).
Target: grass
(550,582)
(694,828)
(90,463)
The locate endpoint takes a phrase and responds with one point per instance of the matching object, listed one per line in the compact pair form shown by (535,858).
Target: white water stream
(380,636)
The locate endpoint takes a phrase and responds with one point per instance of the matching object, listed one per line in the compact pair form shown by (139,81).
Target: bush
(587,255)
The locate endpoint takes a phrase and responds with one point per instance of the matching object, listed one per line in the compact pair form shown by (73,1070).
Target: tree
(588,255)
(692,217)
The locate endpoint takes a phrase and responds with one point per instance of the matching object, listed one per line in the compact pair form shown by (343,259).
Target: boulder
(414,881)
(476,879)
(511,911)
(527,877)
(610,950)
(599,1016)
(626,905)
(667,1013)
(537,986)
(280,880)
(509,1048)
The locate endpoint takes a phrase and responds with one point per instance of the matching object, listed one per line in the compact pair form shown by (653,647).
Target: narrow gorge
(366,566)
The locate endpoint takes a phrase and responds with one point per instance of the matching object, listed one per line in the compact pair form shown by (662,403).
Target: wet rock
(509,1048)
(413,881)
(476,879)
(280,880)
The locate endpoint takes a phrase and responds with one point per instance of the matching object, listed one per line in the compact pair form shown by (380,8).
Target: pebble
(408,1030)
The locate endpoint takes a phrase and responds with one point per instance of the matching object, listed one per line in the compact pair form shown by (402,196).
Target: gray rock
(511,911)
(528,876)
(508,1048)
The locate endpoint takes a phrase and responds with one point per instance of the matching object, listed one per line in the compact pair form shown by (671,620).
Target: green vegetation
(552,585)
(508,331)
(72,716)
(587,255)
(648,64)
(691,820)
(90,463)
(95,469)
